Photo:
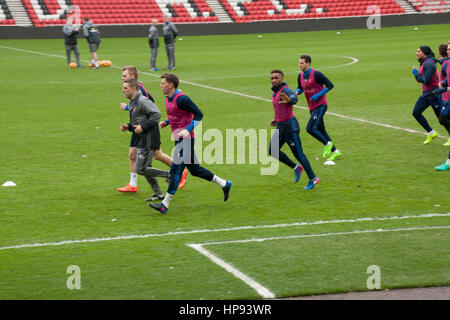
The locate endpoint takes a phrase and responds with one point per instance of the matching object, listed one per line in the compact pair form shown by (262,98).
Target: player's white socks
(431,132)
(133,179)
(219,181)
(448,162)
(329,143)
(167,199)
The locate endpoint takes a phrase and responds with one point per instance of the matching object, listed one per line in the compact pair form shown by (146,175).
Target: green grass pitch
(61,145)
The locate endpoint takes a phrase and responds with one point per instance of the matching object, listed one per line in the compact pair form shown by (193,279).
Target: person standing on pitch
(288,129)
(92,36)
(428,76)
(183,116)
(70,40)
(144,122)
(153,42)
(131,72)
(170,33)
(315,86)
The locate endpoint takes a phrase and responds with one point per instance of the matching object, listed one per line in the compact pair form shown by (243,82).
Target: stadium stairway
(221,13)
(249,10)
(406,6)
(19,13)
(431,6)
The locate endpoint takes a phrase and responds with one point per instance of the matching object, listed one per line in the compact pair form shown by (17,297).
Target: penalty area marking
(260,289)
(354,60)
(175,233)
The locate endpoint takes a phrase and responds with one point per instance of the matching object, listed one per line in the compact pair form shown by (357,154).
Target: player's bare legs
(164,158)
(94,56)
(132,186)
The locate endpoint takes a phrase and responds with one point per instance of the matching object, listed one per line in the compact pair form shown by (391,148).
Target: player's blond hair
(132,71)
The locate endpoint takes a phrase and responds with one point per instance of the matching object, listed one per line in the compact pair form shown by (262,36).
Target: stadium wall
(141,30)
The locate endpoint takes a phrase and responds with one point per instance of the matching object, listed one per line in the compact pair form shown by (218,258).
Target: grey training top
(153,37)
(170,32)
(91,32)
(70,34)
(68,29)
(145,113)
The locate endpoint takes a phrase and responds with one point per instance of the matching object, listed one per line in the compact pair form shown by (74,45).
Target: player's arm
(67,30)
(428,71)
(126,126)
(299,86)
(288,96)
(153,115)
(151,36)
(443,87)
(85,31)
(444,83)
(321,79)
(164,123)
(174,30)
(186,104)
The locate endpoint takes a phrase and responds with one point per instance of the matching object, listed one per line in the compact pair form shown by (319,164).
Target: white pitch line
(354,60)
(376,123)
(263,291)
(175,233)
(255,75)
(250,96)
(34,52)
(297,236)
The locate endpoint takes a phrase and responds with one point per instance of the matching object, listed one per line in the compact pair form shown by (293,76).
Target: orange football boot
(183,179)
(128,188)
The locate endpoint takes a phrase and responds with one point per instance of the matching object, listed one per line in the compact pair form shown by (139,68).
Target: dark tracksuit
(70,40)
(427,98)
(289,132)
(184,154)
(145,93)
(153,42)
(145,113)
(92,35)
(170,33)
(316,125)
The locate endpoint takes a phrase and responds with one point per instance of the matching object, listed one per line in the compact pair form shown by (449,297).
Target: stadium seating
(55,12)
(250,10)
(431,6)
(6,18)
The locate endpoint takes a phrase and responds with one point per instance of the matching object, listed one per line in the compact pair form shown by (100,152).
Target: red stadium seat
(143,11)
